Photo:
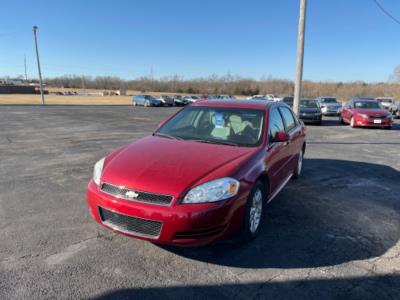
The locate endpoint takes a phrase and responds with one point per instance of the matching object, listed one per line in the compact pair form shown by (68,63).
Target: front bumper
(361,122)
(184,225)
(311,118)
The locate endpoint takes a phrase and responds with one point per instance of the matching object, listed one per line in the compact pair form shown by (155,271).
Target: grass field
(65,100)
(22,99)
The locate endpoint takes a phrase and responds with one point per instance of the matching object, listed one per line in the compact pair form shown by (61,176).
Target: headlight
(97,170)
(363,116)
(213,191)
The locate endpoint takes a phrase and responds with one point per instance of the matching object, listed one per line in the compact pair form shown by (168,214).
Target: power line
(386,12)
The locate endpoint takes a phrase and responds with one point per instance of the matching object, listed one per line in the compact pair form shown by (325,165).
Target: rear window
(288,118)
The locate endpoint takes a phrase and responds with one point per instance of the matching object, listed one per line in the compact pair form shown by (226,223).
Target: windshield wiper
(214,142)
(168,136)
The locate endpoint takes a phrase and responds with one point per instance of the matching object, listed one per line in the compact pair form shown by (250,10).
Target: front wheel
(352,122)
(253,219)
(146,104)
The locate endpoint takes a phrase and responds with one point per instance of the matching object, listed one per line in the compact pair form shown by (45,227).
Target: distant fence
(17,89)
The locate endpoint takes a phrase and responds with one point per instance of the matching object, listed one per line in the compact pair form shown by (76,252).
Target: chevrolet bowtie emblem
(131,194)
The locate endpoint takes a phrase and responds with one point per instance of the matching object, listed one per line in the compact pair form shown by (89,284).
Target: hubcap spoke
(255,211)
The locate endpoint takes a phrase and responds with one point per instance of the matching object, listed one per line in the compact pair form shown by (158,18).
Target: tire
(342,121)
(299,166)
(134,103)
(352,122)
(146,104)
(255,207)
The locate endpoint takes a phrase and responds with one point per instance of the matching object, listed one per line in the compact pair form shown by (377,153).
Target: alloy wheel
(255,211)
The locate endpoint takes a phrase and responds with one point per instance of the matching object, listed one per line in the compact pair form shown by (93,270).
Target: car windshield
(148,97)
(308,103)
(217,125)
(385,100)
(367,104)
(328,100)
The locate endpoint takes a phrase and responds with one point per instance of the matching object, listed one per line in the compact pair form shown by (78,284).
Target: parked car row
(173,100)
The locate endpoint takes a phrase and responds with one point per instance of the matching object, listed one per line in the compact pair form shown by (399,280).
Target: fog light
(359,122)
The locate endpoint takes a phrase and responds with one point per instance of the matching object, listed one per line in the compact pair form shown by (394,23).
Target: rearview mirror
(281,136)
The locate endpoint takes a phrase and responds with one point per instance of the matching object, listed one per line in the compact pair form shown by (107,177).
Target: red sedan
(221,162)
(366,112)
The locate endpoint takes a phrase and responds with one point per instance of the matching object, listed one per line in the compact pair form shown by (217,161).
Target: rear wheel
(341,120)
(299,167)
(134,103)
(253,219)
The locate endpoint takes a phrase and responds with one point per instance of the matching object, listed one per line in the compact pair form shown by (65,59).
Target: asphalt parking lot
(333,234)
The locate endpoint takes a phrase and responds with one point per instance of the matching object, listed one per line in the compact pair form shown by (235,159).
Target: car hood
(372,112)
(309,109)
(166,166)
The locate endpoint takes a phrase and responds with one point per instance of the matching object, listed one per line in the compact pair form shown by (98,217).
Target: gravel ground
(333,234)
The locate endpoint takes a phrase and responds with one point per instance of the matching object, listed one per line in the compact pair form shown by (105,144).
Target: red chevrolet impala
(365,112)
(207,172)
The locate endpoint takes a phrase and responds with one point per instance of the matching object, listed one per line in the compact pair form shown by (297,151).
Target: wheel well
(265,180)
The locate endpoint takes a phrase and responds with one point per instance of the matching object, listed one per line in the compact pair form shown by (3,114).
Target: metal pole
(38,63)
(26,74)
(300,56)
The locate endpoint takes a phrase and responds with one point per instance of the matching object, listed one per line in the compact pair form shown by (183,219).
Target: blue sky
(345,40)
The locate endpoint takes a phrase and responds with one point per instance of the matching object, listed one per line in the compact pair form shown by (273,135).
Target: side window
(275,125)
(288,117)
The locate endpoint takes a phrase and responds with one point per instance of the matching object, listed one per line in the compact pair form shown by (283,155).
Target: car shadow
(337,212)
(368,287)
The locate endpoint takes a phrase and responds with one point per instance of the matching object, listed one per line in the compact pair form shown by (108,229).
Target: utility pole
(300,56)
(26,74)
(38,63)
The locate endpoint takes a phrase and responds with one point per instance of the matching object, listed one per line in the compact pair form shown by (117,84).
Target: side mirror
(281,136)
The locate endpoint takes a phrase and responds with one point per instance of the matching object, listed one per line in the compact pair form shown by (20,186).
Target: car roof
(235,103)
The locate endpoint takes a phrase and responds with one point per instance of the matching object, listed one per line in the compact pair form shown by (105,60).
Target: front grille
(130,225)
(128,194)
(377,117)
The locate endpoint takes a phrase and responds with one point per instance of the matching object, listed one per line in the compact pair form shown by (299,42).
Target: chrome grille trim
(130,224)
(139,196)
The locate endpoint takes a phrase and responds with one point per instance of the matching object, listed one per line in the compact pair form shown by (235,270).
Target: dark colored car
(288,100)
(145,100)
(366,112)
(221,162)
(310,111)
(167,100)
(180,100)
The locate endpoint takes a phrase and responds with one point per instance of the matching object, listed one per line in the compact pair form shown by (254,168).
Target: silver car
(329,106)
